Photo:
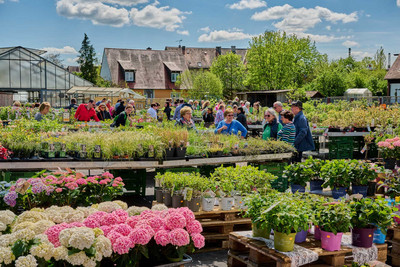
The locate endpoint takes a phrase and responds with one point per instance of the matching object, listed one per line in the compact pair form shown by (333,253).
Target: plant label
(369,128)
(372,122)
(65,116)
(364,149)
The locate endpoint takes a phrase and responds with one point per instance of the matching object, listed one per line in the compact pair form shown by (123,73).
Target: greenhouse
(24,71)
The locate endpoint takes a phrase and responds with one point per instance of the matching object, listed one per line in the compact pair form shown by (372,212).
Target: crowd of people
(290,126)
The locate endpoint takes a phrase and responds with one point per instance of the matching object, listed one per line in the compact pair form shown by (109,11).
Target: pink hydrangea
(54,231)
(198,240)
(123,229)
(175,220)
(109,219)
(76,224)
(91,222)
(108,175)
(81,181)
(145,226)
(105,181)
(179,237)
(72,185)
(118,179)
(132,221)
(113,236)
(147,214)
(59,190)
(106,229)
(187,213)
(122,245)
(396,144)
(122,215)
(156,223)
(194,227)
(140,236)
(162,238)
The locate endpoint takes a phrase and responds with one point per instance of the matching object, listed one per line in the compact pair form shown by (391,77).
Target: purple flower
(10,198)
(38,188)
(49,190)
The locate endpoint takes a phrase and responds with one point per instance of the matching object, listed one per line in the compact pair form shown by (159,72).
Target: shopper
(167,110)
(16,105)
(272,126)
(303,140)
(44,108)
(177,114)
(278,106)
(152,111)
(101,101)
(102,112)
(124,118)
(220,114)
(208,117)
(119,107)
(241,117)
(204,108)
(186,119)
(256,108)
(235,111)
(73,104)
(196,105)
(246,108)
(230,126)
(85,112)
(288,132)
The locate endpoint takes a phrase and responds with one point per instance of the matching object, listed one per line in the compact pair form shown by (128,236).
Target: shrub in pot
(367,215)
(192,192)
(336,174)
(361,174)
(286,216)
(333,219)
(315,166)
(298,176)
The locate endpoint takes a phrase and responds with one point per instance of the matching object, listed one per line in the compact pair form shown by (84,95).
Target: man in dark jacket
(241,117)
(303,141)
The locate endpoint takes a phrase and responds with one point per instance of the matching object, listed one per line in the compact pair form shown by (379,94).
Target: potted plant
(333,219)
(336,174)
(367,215)
(361,174)
(224,192)
(389,151)
(298,176)
(255,204)
(315,166)
(181,149)
(158,187)
(286,217)
(192,192)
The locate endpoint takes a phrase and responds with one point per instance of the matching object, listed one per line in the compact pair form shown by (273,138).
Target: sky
(58,26)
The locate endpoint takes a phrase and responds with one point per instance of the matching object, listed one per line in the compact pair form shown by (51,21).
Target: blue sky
(58,26)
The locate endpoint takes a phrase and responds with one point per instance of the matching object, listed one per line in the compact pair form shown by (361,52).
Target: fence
(388,100)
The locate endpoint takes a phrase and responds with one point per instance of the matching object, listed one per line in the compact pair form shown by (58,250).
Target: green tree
(206,85)
(230,70)
(87,59)
(278,61)
(55,58)
(380,59)
(330,82)
(186,79)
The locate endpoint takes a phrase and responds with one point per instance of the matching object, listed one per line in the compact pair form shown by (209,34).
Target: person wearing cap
(86,112)
(303,140)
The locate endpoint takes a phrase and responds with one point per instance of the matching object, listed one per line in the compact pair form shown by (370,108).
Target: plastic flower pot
(379,237)
(316,185)
(301,237)
(338,192)
(298,188)
(167,198)
(284,242)
(239,204)
(362,237)
(177,201)
(260,232)
(207,203)
(317,232)
(194,204)
(371,189)
(159,195)
(360,189)
(390,164)
(226,203)
(330,241)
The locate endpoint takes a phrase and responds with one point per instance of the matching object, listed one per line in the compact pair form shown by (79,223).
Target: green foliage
(206,85)
(87,57)
(276,60)
(298,174)
(368,212)
(230,70)
(361,173)
(336,173)
(315,166)
(22,247)
(334,217)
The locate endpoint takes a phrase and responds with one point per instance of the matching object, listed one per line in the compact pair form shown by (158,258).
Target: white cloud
(368,15)
(205,29)
(301,19)
(182,32)
(248,4)
(66,50)
(2,1)
(349,43)
(71,61)
(221,36)
(359,55)
(398,3)
(328,27)
(158,17)
(125,2)
(320,38)
(95,11)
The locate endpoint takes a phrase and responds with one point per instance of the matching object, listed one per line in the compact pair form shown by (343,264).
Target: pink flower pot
(330,241)
(317,232)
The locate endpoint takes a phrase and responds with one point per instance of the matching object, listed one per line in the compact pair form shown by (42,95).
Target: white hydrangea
(43,250)
(78,237)
(64,214)
(134,210)
(28,261)
(108,206)
(6,240)
(24,234)
(43,238)
(60,253)
(41,226)
(89,263)
(122,204)
(77,258)
(22,225)
(103,246)
(3,227)
(86,211)
(31,216)
(6,256)
(159,207)
(7,216)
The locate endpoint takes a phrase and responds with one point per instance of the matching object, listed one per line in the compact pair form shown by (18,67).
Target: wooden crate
(248,252)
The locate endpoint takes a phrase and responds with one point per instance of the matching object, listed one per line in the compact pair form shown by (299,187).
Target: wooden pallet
(248,252)
(393,240)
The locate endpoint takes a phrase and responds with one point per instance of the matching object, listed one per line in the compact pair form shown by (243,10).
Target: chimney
(349,52)
(183,49)
(218,51)
(233,49)
(389,59)
(148,48)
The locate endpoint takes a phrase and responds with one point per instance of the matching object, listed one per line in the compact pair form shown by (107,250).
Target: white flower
(159,207)
(78,237)
(22,225)
(64,214)
(108,206)
(77,258)
(103,246)
(122,204)
(41,226)
(134,210)
(43,238)
(43,250)
(89,263)
(86,210)
(6,240)
(3,227)
(7,216)
(28,261)
(60,253)
(24,234)
(6,255)
(31,216)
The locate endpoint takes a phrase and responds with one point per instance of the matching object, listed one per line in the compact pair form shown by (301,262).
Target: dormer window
(199,64)
(174,76)
(129,76)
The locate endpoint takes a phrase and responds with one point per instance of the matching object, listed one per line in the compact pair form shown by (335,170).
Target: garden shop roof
(106,91)
(358,92)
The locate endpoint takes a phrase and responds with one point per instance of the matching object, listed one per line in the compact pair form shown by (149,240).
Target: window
(149,93)
(175,95)
(174,76)
(129,76)
(199,64)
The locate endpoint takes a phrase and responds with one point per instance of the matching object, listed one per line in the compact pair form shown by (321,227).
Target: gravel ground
(209,259)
